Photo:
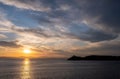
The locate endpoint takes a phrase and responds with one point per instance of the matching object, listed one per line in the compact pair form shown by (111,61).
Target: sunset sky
(59,28)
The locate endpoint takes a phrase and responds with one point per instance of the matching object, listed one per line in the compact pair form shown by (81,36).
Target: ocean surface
(58,69)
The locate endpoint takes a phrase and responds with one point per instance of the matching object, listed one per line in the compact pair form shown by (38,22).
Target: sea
(58,69)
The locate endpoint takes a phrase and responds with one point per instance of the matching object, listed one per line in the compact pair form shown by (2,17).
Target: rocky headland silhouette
(95,57)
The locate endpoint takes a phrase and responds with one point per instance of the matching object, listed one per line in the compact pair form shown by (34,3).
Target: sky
(59,28)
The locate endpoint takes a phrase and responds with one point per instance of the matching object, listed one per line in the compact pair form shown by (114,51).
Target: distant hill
(95,57)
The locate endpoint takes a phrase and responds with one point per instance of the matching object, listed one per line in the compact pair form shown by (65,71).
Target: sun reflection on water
(26,69)
(26,61)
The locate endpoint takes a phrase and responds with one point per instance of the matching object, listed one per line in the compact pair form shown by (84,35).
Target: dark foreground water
(58,69)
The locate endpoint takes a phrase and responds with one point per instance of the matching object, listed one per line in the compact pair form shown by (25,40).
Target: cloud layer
(12,44)
(47,22)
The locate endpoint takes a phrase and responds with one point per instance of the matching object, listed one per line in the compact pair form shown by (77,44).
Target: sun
(26,51)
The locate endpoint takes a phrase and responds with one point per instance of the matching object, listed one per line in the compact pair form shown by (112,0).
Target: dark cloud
(84,32)
(49,3)
(12,44)
(107,10)
(96,36)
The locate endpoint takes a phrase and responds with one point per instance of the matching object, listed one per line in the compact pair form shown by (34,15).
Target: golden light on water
(26,69)
(26,61)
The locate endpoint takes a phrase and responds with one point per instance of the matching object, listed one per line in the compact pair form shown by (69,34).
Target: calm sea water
(58,69)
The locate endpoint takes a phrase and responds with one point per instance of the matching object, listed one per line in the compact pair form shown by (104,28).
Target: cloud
(113,46)
(61,27)
(96,36)
(64,20)
(100,20)
(103,14)
(11,44)
(51,52)
(2,36)
(103,48)
(89,35)
(29,4)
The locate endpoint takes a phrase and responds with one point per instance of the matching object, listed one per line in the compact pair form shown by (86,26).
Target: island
(95,57)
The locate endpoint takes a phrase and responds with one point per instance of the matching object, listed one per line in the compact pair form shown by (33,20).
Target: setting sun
(26,51)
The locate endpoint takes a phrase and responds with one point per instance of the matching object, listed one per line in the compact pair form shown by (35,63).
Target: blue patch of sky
(19,17)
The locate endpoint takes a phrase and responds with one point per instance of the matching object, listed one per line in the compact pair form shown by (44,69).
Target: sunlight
(27,51)
(26,62)
(26,69)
